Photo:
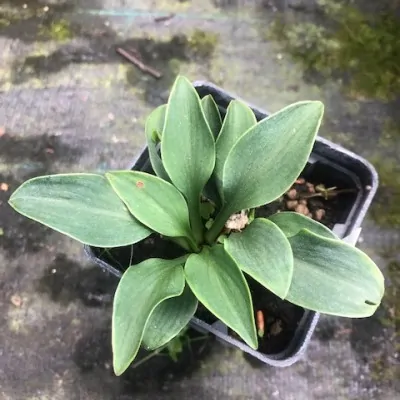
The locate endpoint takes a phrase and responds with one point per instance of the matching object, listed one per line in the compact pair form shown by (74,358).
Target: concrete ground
(69,103)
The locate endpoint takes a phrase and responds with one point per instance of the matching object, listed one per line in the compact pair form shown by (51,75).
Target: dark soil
(153,246)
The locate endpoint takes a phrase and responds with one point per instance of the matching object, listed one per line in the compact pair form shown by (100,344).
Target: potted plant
(201,207)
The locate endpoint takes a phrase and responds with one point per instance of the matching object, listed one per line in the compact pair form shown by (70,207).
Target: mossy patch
(58,30)
(362,50)
(203,43)
(34,21)
(9,16)
(391,300)
(385,209)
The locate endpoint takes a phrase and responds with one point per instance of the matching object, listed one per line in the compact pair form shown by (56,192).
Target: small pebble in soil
(310,187)
(302,209)
(237,222)
(16,300)
(292,194)
(319,214)
(276,328)
(291,204)
(3,187)
(300,181)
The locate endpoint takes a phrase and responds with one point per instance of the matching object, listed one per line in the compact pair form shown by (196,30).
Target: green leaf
(333,277)
(141,289)
(169,318)
(266,160)
(219,284)
(153,129)
(263,252)
(187,147)
(239,118)
(206,209)
(175,348)
(292,223)
(82,206)
(153,201)
(212,114)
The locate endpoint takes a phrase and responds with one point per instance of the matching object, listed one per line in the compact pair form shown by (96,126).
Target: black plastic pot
(331,164)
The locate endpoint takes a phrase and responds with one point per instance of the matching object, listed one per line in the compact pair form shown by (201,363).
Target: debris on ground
(164,18)
(16,300)
(135,60)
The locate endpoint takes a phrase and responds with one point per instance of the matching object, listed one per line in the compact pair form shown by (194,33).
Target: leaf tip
(317,106)
(118,369)
(108,175)
(253,343)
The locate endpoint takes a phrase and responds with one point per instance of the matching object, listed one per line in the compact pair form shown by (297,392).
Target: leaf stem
(149,356)
(216,228)
(181,241)
(195,222)
(182,259)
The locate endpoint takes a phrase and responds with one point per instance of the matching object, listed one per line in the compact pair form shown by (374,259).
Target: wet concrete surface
(69,103)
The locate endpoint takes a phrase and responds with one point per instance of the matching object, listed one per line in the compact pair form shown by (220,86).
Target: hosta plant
(209,177)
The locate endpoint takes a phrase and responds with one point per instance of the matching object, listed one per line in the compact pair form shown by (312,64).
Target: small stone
(310,187)
(111,116)
(276,328)
(319,214)
(367,188)
(300,181)
(302,209)
(3,187)
(16,300)
(291,204)
(237,222)
(303,201)
(292,194)
(46,8)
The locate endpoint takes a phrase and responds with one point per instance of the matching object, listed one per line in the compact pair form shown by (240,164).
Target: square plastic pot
(334,166)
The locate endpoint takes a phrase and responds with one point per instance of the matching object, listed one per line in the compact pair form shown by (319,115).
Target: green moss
(364,49)
(391,300)
(59,30)
(203,43)
(10,16)
(385,209)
